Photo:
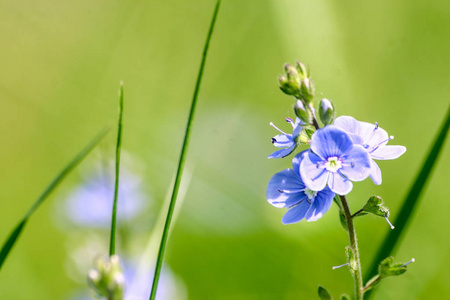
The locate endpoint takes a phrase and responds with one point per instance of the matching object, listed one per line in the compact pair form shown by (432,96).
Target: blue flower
(373,139)
(334,160)
(286,189)
(90,203)
(286,141)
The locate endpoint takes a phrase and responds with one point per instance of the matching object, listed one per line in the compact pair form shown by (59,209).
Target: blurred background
(61,64)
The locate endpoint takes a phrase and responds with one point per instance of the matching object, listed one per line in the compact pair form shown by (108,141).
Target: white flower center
(333,164)
(310,193)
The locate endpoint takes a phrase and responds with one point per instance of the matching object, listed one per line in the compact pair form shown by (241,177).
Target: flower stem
(356,213)
(176,185)
(356,264)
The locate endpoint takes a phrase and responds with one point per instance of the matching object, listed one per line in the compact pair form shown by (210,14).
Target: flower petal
(285,180)
(375,173)
(283,140)
(339,184)
(388,152)
(351,126)
(330,141)
(321,204)
(313,173)
(296,162)
(296,214)
(282,153)
(356,164)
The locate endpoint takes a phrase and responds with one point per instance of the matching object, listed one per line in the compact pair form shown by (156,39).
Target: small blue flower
(286,141)
(373,139)
(334,160)
(286,189)
(90,203)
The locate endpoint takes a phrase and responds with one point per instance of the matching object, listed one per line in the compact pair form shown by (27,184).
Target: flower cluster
(341,152)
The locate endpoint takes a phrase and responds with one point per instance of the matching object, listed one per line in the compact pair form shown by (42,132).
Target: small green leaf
(345,297)
(324,294)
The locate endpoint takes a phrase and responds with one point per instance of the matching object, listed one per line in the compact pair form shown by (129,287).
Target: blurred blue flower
(286,141)
(373,139)
(90,204)
(334,160)
(286,189)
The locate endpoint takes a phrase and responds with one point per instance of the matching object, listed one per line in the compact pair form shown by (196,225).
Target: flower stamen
(337,267)
(411,261)
(271,124)
(390,224)
(333,164)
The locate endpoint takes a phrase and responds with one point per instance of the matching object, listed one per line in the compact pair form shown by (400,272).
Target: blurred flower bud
(107,279)
(290,82)
(303,112)
(307,90)
(327,111)
(302,70)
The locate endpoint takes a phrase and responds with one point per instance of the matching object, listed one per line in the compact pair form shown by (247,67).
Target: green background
(61,64)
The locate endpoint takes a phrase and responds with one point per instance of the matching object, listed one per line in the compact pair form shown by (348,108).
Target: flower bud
(288,86)
(327,111)
(107,279)
(302,112)
(388,268)
(307,90)
(303,70)
(375,206)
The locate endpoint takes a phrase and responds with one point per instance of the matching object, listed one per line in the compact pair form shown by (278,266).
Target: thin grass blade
(12,239)
(412,199)
(112,243)
(181,161)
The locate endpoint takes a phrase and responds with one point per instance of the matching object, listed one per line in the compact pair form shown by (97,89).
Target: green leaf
(405,215)
(345,297)
(173,199)
(112,240)
(324,294)
(11,240)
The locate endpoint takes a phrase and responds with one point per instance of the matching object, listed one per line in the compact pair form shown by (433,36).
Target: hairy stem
(356,264)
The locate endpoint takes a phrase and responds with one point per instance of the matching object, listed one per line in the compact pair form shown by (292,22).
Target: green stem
(181,161)
(356,265)
(112,241)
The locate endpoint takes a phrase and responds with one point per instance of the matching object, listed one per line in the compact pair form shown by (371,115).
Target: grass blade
(176,185)
(411,201)
(10,242)
(112,243)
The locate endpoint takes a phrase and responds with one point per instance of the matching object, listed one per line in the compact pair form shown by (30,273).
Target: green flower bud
(289,86)
(375,206)
(107,279)
(327,111)
(307,90)
(387,268)
(303,70)
(303,112)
